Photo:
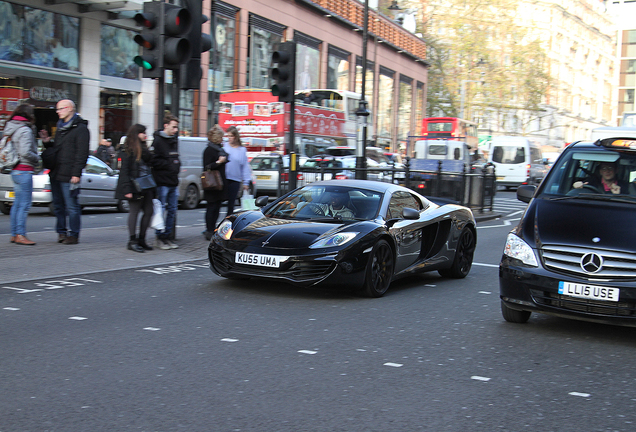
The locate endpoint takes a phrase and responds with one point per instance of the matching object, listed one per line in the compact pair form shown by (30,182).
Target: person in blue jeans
(165,170)
(71,146)
(19,129)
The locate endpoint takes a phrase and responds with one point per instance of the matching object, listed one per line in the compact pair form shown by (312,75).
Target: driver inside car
(609,182)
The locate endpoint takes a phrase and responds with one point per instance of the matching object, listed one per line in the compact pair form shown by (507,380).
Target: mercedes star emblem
(591,262)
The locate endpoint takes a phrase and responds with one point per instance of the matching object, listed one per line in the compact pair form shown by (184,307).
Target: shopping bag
(248,202)
(157,216)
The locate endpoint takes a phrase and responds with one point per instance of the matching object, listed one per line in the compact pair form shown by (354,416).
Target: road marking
(515,213)
(174,268)
(586,395)
(486,265)
(393,364)
(76,318)
(504,223)
(484,292)
(307,352)
(11,309)
(229,340)
(479,378)
(152,328)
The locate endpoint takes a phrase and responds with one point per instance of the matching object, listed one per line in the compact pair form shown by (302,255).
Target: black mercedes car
(352,233)
(573,253)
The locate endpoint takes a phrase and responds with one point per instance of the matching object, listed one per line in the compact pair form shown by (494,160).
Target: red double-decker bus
(263,123)
(450,128)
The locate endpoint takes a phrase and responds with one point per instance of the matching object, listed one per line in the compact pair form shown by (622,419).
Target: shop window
(118,51)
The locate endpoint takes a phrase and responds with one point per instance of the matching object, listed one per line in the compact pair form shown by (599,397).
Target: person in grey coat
(20,130)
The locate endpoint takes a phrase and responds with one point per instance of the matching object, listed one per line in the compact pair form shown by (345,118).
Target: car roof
(375,186)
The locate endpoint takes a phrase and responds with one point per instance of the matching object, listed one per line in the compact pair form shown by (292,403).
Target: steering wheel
(577,191)
(315,209)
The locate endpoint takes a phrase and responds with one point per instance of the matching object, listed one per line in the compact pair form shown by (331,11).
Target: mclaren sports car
(352,233)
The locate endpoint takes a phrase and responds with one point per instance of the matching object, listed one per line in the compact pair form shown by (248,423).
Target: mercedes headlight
(518,249)
(334,240)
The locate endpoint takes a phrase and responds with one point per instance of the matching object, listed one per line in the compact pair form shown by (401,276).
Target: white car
(98,185)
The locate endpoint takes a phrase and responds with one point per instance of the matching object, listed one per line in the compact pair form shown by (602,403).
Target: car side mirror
(526,192)
(261,201)
(410,213)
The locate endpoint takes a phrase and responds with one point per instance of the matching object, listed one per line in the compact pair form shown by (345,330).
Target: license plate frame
(589,292)
(259,260)
(263,177)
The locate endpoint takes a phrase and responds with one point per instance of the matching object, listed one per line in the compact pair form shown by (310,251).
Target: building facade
(53,49)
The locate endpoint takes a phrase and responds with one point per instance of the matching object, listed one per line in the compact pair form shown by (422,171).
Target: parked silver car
(98,185)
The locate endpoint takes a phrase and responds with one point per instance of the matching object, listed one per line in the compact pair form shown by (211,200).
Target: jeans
(169,197)
(233,188)
(23,189)
(66,203)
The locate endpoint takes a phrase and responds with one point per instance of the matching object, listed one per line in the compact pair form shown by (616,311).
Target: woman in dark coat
(214,158)
(135,163)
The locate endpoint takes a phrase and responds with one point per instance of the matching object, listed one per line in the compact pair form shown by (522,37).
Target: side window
(399,201)
(96,167)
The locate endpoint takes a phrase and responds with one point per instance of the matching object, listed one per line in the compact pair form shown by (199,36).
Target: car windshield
(265,163)
(327,203)
(593,174)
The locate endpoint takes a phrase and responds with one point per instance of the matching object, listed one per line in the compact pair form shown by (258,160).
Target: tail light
(284,177)
(299,176)
(421,186)
(341,177)
(46,171)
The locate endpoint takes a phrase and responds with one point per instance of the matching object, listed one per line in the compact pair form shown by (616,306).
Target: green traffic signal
(144,62)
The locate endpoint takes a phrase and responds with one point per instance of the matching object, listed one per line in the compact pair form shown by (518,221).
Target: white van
(613,132)
(517,161)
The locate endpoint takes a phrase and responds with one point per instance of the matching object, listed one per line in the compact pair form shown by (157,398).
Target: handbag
(144,182)
(211,180)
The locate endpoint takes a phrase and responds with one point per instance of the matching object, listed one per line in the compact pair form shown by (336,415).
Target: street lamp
(463,95)
(397,12)
(363,112)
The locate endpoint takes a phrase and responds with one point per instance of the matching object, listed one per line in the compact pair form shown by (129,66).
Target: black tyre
(5,208)
(191,198)
(463,256)
(379,271)
(513,315)
(123,206)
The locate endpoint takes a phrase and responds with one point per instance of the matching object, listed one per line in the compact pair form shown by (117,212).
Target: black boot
(143,244)
(133,245)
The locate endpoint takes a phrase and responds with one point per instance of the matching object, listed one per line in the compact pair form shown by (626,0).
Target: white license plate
(9,194)
(589,291)
(259,259)
(500,178)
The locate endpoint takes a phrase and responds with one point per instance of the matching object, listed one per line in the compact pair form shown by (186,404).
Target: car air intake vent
(589,263)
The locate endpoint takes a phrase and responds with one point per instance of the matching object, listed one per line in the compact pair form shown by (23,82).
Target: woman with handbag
(214,158)
(136,185)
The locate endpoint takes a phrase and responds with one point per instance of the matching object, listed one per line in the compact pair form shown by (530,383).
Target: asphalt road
(177,348)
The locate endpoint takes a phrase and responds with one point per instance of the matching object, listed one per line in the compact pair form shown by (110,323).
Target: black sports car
(353,233)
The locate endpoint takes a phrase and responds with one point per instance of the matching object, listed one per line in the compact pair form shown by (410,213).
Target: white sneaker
(172,244)
(162,244)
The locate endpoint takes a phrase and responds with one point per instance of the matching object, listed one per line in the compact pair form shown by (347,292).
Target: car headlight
(225,230)
(518,249)
(334,240)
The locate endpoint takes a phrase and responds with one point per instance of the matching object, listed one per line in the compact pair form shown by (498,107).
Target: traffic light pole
(293,168)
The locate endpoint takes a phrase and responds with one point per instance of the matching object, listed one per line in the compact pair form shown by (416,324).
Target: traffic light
(151,60)
(284,73)
(176,28)
(190,76)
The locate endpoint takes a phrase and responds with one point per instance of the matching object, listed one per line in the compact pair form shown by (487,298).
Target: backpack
(8,155)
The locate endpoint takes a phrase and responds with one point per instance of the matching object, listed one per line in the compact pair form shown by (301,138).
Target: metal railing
(473,187)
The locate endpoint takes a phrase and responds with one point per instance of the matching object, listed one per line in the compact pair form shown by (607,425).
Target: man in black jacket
(165,169)
(71,144)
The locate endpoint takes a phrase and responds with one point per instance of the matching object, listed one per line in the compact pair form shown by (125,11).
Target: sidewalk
(102,250)
(99,250)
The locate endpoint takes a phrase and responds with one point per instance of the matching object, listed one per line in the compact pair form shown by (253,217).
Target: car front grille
(297,271)
(597,307)
(567,259)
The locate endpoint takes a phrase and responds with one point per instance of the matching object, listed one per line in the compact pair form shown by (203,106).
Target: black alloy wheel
(463,256)
(379,271)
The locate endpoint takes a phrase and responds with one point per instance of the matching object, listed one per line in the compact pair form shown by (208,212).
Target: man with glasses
(71,146)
